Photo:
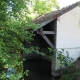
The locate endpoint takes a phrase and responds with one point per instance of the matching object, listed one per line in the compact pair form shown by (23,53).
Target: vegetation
(69,71)
(16,27)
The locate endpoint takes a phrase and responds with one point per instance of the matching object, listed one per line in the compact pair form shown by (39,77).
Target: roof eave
(43,24)
(63,11)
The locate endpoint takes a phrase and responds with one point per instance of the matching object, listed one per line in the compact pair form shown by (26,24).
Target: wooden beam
(48,32)
(43,24)
(45,32)
(47,40)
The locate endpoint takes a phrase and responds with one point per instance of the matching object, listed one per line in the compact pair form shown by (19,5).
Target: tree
(16,26)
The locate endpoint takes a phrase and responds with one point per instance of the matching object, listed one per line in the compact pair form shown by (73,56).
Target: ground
(78,63)
(41,69)
(74,69)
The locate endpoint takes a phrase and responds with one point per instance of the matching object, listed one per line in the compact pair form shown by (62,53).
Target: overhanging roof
(47,18)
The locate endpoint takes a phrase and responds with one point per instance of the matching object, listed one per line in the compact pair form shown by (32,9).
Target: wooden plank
(45,32)
(48,32)
(43,24)
(48,41)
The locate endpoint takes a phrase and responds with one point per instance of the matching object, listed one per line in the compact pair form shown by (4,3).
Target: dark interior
(41,43)
(40,69)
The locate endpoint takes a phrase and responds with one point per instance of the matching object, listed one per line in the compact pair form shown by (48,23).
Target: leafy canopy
(15,27)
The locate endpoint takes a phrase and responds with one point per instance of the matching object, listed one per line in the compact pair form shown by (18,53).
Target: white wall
(68,33)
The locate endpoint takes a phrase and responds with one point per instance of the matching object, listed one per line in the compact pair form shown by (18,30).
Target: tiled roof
(46,18)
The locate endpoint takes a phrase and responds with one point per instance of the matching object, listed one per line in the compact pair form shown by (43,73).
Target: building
(59,30)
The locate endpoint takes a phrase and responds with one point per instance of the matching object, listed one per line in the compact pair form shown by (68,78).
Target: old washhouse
(58,29)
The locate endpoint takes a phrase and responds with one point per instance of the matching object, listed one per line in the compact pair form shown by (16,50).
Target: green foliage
(44,6)
(64,59)
(52,51)
(71,71)
(16,26)
(38,7)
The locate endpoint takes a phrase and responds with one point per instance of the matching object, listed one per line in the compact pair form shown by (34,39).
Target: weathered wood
(58,14)
(43,24)
(47,40)
(55,29)
(45,32)
(48,32)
